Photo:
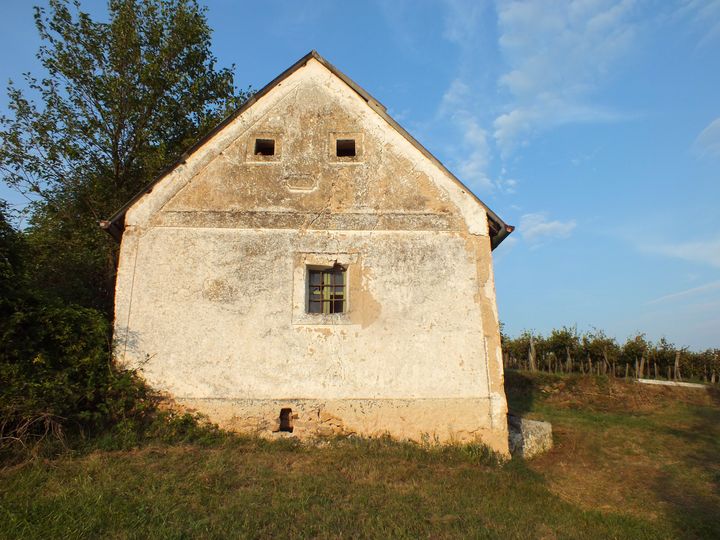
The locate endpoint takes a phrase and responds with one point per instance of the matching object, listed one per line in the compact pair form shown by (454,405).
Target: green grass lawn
(629,462)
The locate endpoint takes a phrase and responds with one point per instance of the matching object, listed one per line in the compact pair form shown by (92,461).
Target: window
(345,148)
(322,287)
(264,147)
(326,290)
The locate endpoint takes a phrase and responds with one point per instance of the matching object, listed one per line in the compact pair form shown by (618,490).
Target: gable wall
(210,298)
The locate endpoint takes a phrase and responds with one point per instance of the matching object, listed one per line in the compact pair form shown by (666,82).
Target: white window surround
(303,261)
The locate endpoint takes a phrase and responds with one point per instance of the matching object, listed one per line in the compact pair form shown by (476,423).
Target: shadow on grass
(520,390)
(691,486)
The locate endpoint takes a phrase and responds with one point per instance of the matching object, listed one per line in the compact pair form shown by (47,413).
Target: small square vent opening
(345,148)
(286,420)
(264,147)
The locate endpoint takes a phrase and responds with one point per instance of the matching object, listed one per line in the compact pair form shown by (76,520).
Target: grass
(629,462)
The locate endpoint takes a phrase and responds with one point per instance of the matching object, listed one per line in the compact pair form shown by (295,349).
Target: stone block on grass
(529,438)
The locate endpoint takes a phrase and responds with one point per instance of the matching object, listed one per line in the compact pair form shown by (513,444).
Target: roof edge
(115,225)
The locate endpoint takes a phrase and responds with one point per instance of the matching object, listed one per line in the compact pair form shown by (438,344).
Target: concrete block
(529,438)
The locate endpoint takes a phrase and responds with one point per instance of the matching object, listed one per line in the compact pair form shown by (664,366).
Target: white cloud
(698,251)
(708,142)
(474,157)
(473,167)
(688,292)
(516,127)
(536,228)
(558,54)
(509,184)
(455,97)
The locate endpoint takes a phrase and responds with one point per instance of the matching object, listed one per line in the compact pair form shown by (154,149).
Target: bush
(59,383)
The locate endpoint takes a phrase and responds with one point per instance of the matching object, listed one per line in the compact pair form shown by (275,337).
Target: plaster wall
(211,293)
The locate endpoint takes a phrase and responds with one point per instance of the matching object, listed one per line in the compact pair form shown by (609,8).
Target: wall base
(438,420)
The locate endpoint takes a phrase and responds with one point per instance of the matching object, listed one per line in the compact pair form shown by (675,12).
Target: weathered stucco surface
(211,294)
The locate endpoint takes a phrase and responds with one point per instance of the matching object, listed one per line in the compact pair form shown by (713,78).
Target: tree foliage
(120,101)
(56,373)
(596,348)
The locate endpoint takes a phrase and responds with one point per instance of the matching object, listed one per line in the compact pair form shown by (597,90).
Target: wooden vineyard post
(569,362)
(606,362)
(531,355)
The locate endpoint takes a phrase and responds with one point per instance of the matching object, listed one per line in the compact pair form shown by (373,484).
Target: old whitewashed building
(309,267)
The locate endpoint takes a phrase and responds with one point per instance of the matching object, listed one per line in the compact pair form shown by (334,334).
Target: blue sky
(591,125)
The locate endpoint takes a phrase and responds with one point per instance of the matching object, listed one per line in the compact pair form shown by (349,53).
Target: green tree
(635,348)
(563,343)
(599,347)
(11,274)
(120,101)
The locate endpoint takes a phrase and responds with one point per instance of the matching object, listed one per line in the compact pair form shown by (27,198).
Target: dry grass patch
(622,447)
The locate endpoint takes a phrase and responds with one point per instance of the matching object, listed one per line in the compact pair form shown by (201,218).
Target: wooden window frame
(327,290)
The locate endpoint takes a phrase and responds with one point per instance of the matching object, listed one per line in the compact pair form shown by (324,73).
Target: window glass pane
(338,278)
(326,290)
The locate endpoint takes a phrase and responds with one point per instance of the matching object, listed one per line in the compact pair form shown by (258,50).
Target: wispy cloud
(537,228)
(397,15)
(687,292)
(708,142)
(472,166)
(697,251)
(464,103)
(462,19)
(473,161)
(704,16)
(558,54)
